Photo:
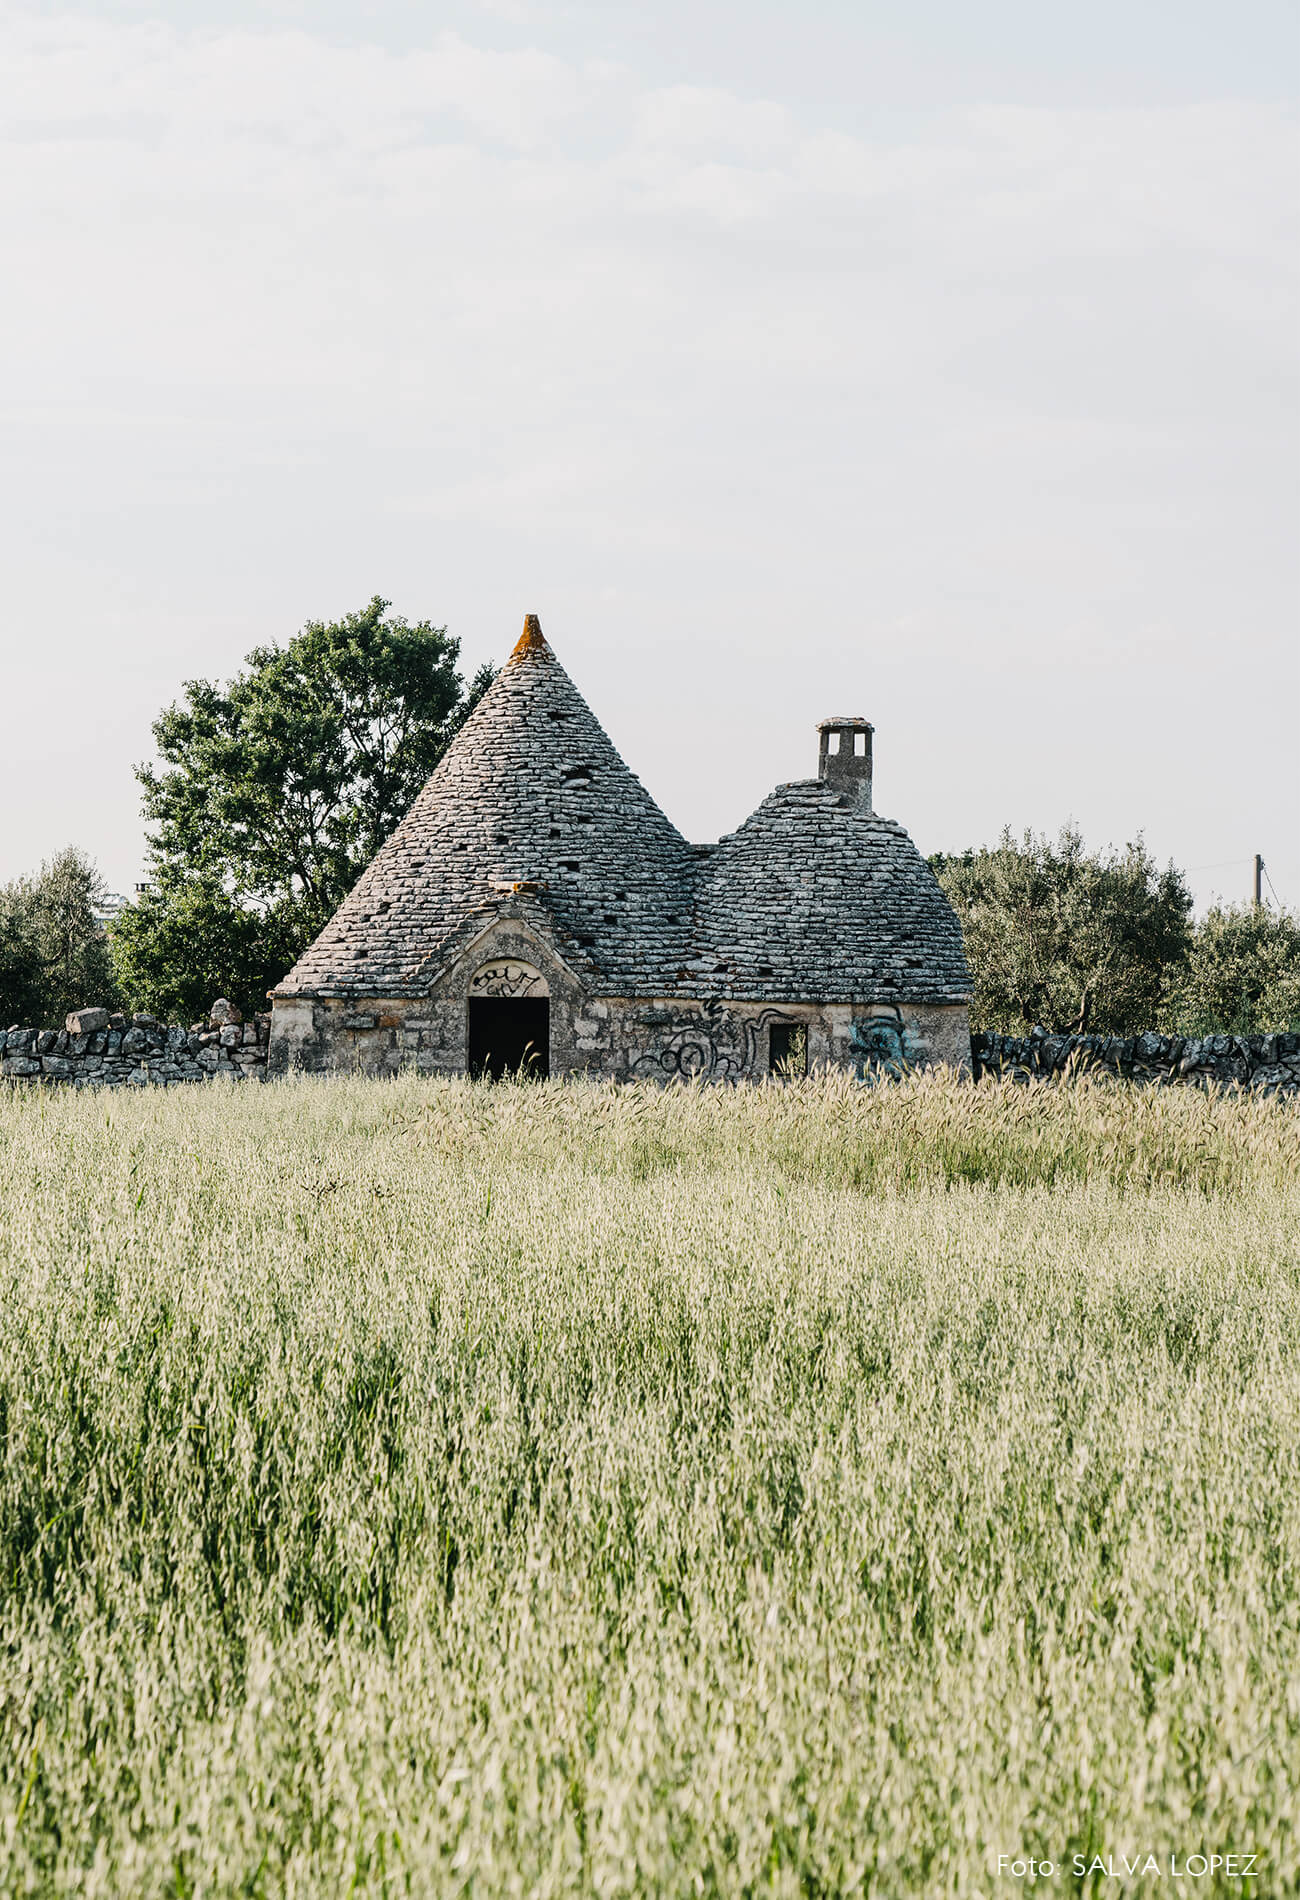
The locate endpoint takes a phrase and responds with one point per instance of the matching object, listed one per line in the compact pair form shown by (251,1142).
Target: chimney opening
(844,759)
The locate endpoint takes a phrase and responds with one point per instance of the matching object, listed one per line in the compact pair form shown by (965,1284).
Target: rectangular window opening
(833,742)
(787,1049)
(860,745)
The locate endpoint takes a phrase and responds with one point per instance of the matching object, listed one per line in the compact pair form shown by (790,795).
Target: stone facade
(658,1038)
(534,868)
(1268,1064)
(97,1050)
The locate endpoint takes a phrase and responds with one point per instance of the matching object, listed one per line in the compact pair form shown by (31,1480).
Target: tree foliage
(274,793)
(1075,940)
(1242,976)
(188,941)
(284,784)
(21,985)
(53,954)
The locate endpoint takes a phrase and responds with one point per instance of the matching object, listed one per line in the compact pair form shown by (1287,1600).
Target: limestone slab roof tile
(813,899)
(817,899)
(531,791)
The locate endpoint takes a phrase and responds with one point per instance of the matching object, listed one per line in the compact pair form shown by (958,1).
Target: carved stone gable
(507,977)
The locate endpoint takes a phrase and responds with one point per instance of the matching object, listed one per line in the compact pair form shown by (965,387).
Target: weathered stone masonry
(1267,1064)
(535,869)
(97,1050)
(535,906)
(140,1051)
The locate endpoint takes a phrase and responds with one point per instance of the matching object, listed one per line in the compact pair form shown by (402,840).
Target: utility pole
(1259,880)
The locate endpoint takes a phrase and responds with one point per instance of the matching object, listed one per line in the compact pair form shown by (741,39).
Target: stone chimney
(844,758)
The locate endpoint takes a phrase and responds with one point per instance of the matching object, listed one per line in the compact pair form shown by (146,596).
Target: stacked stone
(1267,1064)
(531,795)
(814,899)
(97,1049)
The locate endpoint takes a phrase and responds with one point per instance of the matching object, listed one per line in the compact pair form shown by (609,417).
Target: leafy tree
(1076,941)
(1242,976)
(21,993)
(181,945)
(275,792)
(76,965)
(53,954)
(286,783)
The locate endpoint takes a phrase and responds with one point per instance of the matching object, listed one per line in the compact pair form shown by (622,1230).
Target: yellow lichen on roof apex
(531,640)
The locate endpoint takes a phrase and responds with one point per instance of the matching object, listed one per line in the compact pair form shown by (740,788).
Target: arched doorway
(509,1021)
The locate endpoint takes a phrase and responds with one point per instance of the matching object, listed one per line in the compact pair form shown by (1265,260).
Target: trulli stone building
(535,906)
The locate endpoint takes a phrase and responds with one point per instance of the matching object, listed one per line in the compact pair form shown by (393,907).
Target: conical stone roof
(533,814)
(818,899)
(530,792)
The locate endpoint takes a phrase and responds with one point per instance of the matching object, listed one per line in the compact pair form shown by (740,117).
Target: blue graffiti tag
(880,1046)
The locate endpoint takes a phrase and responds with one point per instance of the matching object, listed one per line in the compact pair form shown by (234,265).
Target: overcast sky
(917,360)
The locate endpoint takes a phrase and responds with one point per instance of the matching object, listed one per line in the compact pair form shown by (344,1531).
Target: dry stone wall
(96,1049)
(1270,1064)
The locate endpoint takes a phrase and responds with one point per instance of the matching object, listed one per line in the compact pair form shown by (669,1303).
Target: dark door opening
(508,1033)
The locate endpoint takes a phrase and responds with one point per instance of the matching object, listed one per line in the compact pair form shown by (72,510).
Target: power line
(1227,864)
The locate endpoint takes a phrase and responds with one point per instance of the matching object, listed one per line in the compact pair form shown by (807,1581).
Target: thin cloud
(1020,379)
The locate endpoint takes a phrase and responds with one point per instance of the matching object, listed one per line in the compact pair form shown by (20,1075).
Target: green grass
(415,1488)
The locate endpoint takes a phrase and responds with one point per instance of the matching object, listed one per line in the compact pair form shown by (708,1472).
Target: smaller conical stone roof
(531,792)
(816,898)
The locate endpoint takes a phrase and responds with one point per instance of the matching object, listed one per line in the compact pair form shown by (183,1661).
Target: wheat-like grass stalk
(434,1488)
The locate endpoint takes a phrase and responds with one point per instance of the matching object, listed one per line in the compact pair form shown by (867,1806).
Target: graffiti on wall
(710,1042)
(881,1045)
(507,977)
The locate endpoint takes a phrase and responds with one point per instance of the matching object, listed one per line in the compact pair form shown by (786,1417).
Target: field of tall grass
(424,1488)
